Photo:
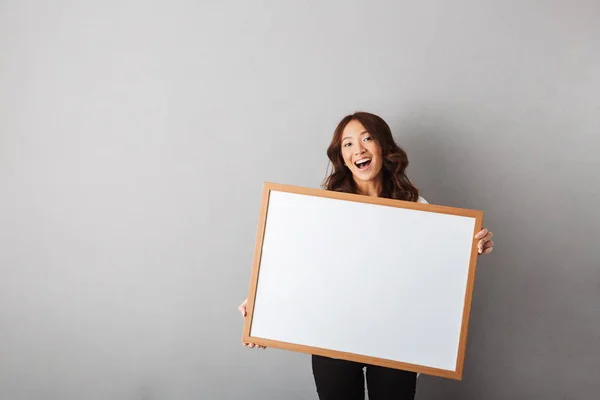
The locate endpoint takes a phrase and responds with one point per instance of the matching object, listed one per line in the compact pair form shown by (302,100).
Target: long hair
(395,184)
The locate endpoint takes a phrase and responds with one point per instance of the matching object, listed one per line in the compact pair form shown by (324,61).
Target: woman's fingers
(242,310)
(485,247)
(481,233)
(487,237)
(484,234)
(242,307)
(254,345)
(484,237)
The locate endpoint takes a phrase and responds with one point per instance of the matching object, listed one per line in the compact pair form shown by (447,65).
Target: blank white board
(374,280)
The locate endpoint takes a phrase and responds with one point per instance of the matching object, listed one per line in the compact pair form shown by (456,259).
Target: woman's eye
(368,138)
(347,144)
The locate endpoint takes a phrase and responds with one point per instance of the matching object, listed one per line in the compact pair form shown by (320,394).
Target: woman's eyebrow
(348,137)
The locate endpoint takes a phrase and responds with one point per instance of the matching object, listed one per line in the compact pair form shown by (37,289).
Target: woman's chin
(365,176)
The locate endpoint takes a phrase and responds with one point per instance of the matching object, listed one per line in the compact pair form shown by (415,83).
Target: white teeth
(364,160)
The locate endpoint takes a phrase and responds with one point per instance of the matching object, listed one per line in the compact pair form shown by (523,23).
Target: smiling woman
(367,161)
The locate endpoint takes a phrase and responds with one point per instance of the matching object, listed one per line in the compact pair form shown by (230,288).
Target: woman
(366,160)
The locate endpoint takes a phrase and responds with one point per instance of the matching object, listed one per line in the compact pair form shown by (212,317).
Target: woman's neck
(369,188)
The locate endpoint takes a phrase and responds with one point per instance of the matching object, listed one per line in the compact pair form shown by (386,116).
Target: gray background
(135,137)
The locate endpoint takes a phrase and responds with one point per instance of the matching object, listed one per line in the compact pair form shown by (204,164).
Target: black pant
(344,380)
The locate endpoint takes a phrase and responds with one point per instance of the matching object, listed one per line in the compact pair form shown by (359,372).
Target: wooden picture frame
(308,239)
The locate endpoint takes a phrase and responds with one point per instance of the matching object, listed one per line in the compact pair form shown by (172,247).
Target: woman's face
(360,151)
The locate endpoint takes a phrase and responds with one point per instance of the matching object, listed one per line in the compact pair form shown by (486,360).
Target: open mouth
(363,163)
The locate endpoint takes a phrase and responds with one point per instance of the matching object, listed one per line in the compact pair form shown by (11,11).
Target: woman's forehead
(353,129)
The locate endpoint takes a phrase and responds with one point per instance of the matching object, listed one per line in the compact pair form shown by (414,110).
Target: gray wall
(135,137)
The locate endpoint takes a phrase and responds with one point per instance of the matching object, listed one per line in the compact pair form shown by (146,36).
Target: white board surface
(361,278)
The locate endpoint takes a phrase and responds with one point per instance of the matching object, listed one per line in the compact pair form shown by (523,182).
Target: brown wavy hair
(394,183)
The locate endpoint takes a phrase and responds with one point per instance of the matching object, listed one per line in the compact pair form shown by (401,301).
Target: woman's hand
(242,310)
(485,245)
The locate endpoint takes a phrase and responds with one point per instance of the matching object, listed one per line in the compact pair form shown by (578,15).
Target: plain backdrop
(135,137)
